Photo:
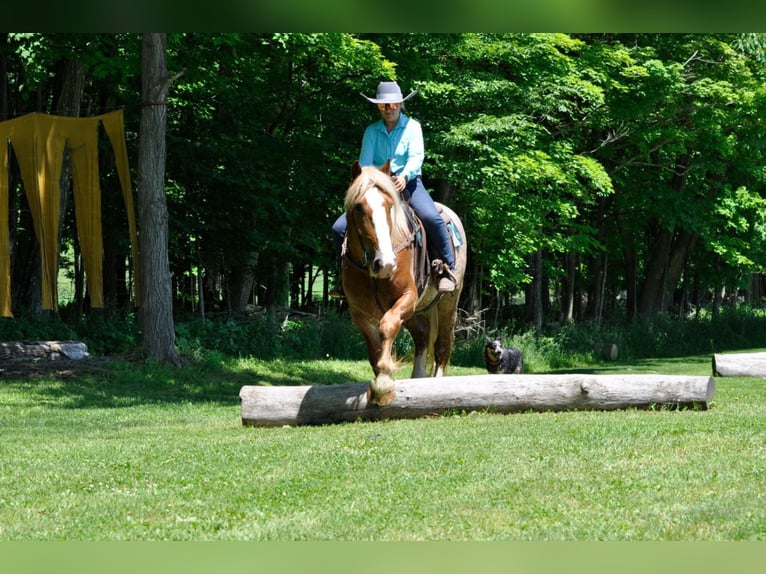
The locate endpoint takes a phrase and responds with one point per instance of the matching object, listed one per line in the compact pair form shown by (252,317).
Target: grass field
(124,451)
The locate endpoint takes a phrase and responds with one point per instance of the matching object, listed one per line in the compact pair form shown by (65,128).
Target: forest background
(602,178)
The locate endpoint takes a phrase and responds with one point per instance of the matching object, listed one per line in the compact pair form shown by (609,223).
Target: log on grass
(49,350)
(740,365)
(317,404)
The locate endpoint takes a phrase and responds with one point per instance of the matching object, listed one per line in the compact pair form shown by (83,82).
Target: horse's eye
(358,208)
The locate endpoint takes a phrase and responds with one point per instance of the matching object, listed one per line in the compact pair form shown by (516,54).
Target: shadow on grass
(698,365)
(119,383)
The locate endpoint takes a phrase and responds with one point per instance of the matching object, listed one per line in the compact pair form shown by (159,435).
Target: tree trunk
(630,260)
(656,266)
(659,279)
(537,285)
(4,75)
(277,285)
(156,289)
(683,245)
(568,292)
(324,404)
(241,282)
(68,104)
(26,282)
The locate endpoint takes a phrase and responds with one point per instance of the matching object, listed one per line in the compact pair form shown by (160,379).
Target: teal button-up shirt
(403,146)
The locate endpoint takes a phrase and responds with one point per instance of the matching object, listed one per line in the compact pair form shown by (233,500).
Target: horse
(379,281)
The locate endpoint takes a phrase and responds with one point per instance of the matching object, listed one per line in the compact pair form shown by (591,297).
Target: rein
(364,264)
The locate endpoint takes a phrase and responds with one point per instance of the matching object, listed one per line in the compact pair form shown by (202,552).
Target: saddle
(425,261)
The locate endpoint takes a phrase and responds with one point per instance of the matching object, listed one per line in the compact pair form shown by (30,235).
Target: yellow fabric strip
(114,124)
(39,141)
(40,153)
(87,204)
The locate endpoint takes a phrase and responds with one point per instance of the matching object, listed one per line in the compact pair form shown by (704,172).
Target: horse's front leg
(368,327)
(383,389)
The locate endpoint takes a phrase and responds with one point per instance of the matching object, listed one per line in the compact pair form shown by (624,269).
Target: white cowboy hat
(389,93)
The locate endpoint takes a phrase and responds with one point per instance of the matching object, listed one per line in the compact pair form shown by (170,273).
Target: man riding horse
(398,138)
(383,261)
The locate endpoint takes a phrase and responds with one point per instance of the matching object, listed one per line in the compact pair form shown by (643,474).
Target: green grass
(143,452)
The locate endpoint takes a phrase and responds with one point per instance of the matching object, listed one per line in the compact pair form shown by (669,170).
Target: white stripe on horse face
(384,254)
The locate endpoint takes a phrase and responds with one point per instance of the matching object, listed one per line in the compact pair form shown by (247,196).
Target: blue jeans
(423,204)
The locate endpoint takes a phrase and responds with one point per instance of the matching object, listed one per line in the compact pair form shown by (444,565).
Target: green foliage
(333,336)
(108,333)
(268,337)
(39,327)
(104,333)
(264,184)
(504,111)
(576,146)
(667,336)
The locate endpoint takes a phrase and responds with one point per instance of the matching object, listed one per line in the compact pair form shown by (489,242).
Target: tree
(683,114)
(262,134)
(584,166)
(503,120)
(156,294)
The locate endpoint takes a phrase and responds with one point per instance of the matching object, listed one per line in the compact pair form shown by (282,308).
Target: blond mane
(373,177)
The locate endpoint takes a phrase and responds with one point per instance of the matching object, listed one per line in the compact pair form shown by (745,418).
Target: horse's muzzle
(382,270)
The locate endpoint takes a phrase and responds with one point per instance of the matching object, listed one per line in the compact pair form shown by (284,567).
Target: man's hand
(400,182)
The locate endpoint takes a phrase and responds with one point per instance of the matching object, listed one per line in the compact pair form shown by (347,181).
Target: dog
(502,360)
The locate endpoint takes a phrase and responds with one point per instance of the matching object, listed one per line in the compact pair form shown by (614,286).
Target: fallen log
(740,365)
(49,350)
(326,404)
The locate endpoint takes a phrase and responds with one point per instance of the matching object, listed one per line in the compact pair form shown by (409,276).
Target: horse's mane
(373,177)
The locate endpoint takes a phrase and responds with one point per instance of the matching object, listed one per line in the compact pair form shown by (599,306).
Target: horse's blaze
(384,263)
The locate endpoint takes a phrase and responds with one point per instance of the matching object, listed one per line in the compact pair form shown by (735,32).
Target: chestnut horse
(378,275)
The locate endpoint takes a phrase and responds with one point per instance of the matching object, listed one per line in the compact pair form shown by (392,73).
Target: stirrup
(440,268)
(447,279)
(446,284)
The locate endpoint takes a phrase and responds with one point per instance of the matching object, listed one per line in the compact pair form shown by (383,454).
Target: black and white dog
(502,360)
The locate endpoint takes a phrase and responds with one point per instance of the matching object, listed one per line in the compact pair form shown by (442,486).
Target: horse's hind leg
(445,338)
(418,328)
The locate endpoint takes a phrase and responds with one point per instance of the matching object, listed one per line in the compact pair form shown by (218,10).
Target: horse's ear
(386,167)
(356,169)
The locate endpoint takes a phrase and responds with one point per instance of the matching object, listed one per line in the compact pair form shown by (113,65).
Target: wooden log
(49,350)
(740,365)
(309,405)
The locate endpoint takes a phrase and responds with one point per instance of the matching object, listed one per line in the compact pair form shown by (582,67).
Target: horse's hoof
(380,400)
(382,390)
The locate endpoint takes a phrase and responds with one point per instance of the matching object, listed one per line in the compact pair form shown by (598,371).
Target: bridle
(368,253)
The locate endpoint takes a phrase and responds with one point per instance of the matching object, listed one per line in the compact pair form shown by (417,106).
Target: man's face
(390,112)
